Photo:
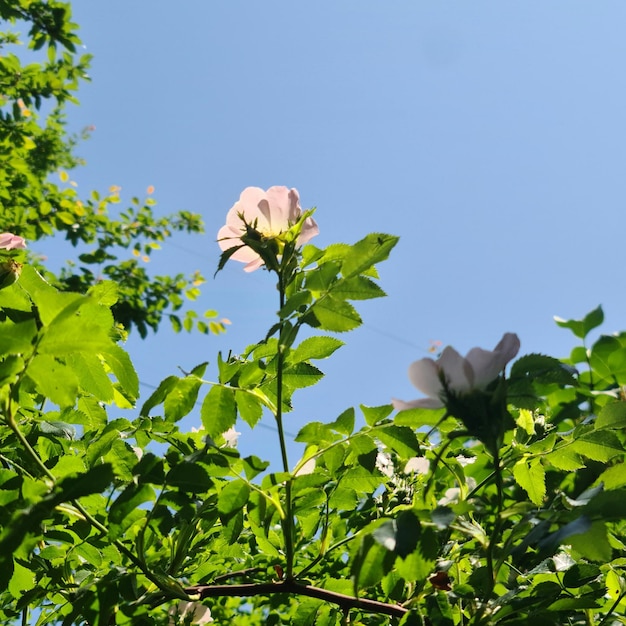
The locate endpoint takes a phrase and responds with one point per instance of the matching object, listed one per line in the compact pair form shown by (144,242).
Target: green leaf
(399,535)
(17,338)
(158,395)
(128,501)
(543,369)
(612,415)
(249,406)
(181,398)
(301,375)
(299,299)
(400,439)
(375,414)
(614,477)
(370,250)
(593,544)
(344,424)
(531,476)
(53,379)
(319,347)
(190,478)
(121,365)
(581,328)
(598,445)
(233,496)
(357,288)
(371,563)
(91,375)
(580,574)
(219,410)
(335,315)
(95,480)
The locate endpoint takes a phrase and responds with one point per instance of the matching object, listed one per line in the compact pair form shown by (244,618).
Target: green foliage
(39,76)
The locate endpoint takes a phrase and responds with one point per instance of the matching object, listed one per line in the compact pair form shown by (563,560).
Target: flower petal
(284,206)
(422,403)
(487,365)
(424,374)
(458,376)
(309,230)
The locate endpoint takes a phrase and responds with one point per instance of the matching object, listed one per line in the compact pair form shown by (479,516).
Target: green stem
(287,522)
(495,533)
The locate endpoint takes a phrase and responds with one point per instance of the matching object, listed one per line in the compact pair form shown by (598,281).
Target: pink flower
(461,374)
(9,241)
(271,212)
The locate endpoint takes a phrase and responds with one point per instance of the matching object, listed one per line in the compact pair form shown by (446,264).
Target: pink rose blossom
(271,212)
(9,241)
(461,374)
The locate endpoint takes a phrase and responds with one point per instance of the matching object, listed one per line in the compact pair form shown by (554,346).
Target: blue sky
(489,136)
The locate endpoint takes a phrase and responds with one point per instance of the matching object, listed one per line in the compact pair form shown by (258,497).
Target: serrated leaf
(301,375)
(219,410)
(249,406)
(374,414)
(531,476)
(357,288)
(122,367)
(181,398)
(565,458)
(612,415)
(400,439)
(399,535)
(542,369)
(371,563)
(370,250)
(598,445)
(319,347)
(335,315)
(233,496)
(53,379)
(344,424)
(614,477)
(91,375)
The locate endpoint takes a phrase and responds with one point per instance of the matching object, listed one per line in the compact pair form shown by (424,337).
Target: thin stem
(495,533)
(287,522)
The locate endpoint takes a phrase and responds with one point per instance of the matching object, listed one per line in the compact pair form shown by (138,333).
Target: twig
(290,586)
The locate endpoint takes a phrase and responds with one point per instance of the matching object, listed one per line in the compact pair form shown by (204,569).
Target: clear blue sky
(489,136)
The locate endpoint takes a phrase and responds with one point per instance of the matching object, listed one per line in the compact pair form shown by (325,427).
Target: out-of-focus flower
(384,464)
(308,467)
(417,465)
(231,436)
(452,373)
(271,213)
(9,241)
(199,613)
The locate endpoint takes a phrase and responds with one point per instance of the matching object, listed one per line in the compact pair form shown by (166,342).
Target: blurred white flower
(231,436)
(457,374)
(417,465)
(199,613)
(384,464)
(308,467)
